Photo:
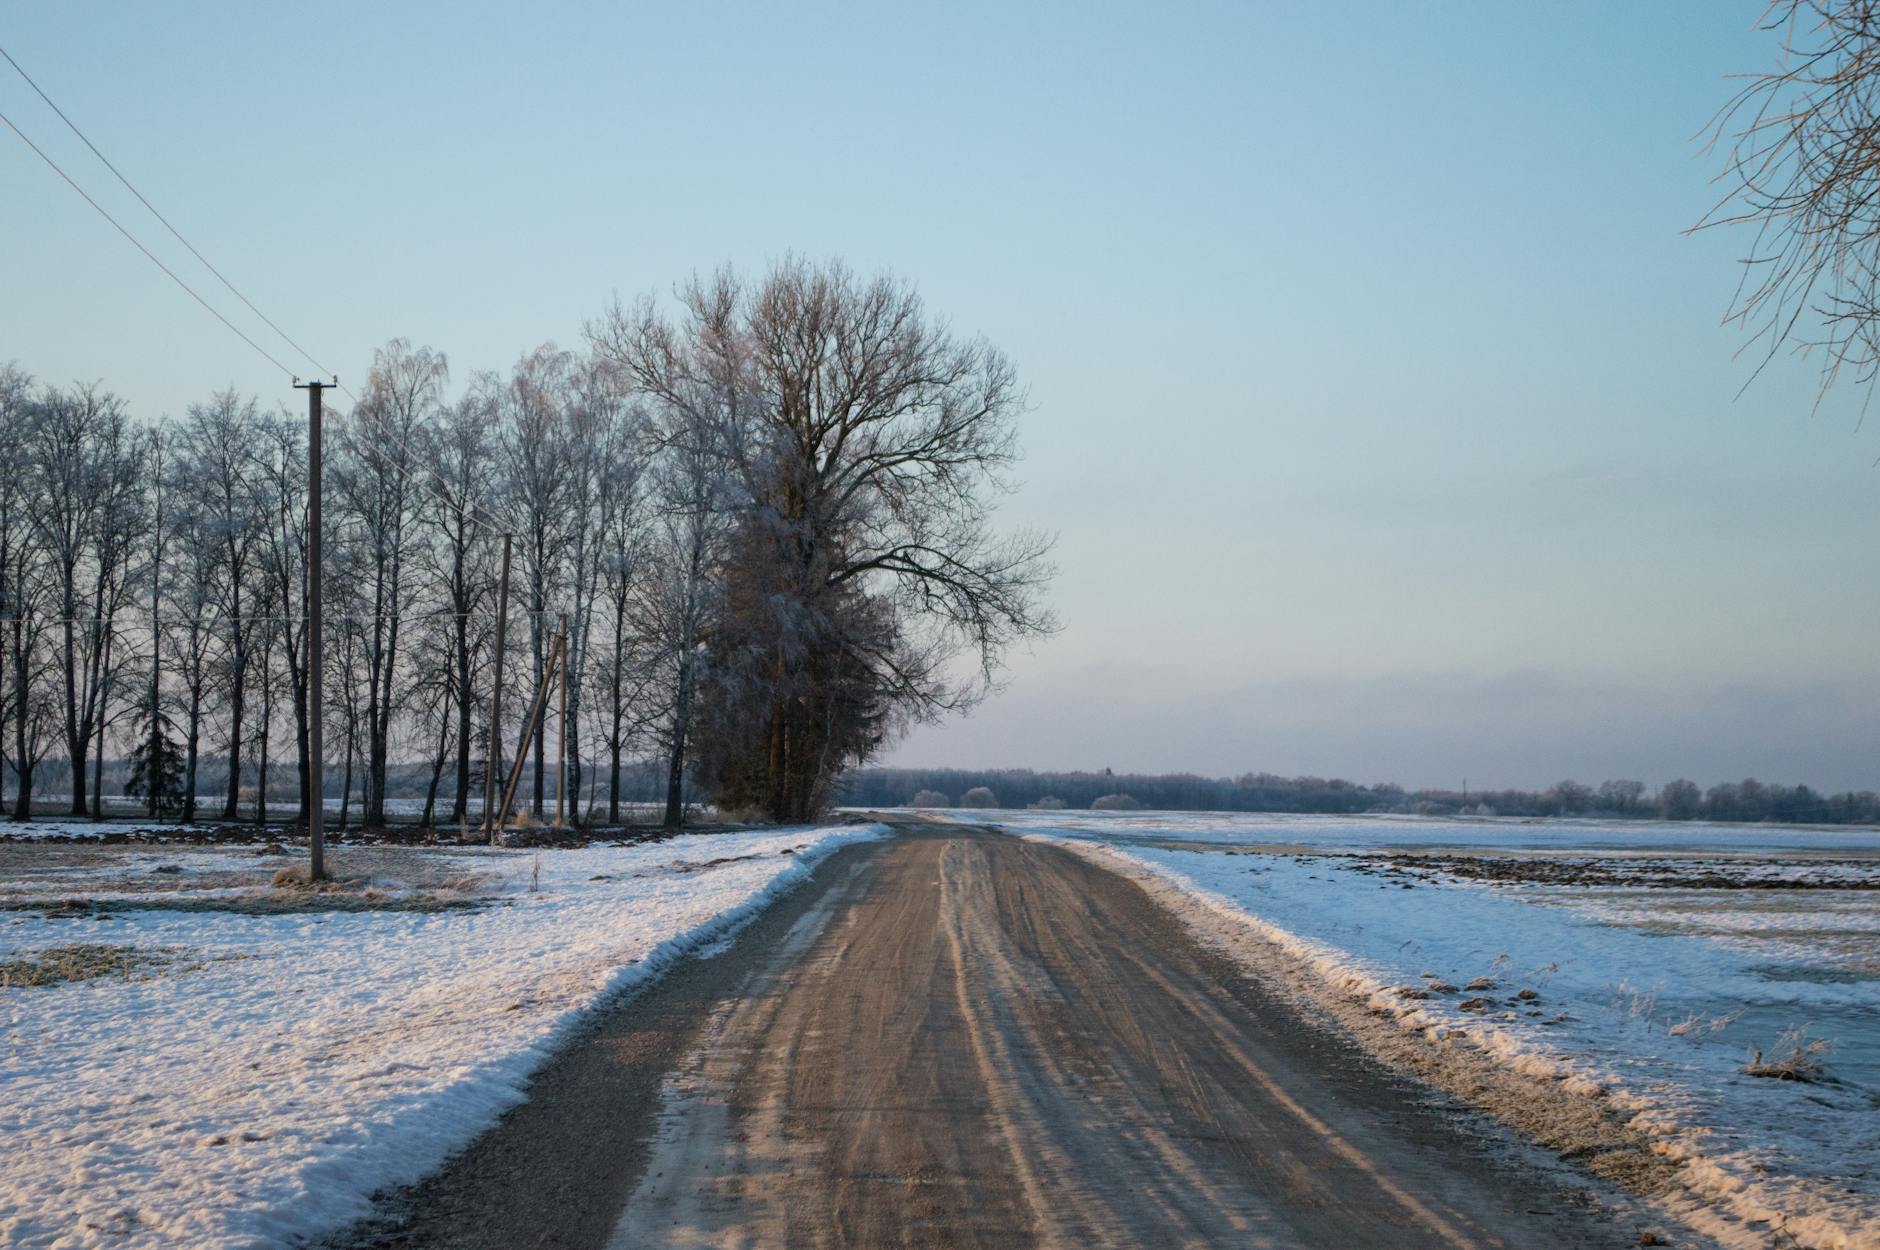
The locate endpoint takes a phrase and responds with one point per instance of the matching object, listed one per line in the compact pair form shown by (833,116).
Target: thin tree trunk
(616,711)
(675,765)
(97,768)
(267,733)
(352,745)
(238,708)
(541,746)
(102,670)
(23,801)
(437,768)
(77,736)
(191,752)
(303,755)
(459,808)
(613,783)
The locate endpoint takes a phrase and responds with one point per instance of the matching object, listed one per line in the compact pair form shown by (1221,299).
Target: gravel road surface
(957,1038)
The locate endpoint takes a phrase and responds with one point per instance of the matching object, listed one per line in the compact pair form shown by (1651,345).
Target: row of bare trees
(763,517)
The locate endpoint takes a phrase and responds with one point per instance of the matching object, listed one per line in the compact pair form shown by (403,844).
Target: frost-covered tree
(26,592)
(82,453)
(535,456)
(868,443)
(215,450)
(462,549)
(378,484)
(277,486)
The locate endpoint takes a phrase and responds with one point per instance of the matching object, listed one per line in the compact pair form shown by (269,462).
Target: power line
(191,291)
(471,509)
(177,234)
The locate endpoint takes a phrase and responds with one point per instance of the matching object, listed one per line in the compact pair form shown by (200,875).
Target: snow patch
(306,1060)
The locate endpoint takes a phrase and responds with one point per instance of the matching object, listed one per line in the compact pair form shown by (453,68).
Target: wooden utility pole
(491,825)
(316,643)
(561,735)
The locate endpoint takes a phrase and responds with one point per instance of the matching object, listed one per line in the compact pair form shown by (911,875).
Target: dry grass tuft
(79,961)
(1796,1058)
(1695,1026)
(296,877)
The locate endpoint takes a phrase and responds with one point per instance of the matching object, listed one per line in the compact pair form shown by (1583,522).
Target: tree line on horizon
(1748,800)
(756,528)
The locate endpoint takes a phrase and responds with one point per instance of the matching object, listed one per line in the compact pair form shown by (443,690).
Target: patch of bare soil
(67,881)
(1737,873)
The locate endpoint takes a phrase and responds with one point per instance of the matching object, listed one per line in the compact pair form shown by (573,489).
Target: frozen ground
(245,1064)
(123,819)
(1646,963)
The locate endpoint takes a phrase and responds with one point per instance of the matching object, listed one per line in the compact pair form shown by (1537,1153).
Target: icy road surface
(1649,962)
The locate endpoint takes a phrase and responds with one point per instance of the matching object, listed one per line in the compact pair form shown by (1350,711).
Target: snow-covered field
(1597,961)
(262,1061)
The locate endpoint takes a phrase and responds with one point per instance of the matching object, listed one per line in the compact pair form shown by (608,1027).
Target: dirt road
(962,1039)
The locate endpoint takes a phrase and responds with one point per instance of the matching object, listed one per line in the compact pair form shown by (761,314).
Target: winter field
(1649,964)
(197,1056)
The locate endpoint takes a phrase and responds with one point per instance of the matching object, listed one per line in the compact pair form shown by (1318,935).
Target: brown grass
(280,902)
(81,961)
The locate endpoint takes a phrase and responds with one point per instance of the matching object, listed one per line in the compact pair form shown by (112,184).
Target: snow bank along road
(956,1038)
(258,1061)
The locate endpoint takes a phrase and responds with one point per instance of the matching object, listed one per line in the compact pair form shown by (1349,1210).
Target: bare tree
(869,442)
(464,452)
(78,448)
(434,695)
(598,509)
(623,525)
(379,483)
(278,488)
(698,391)
(1802,167)
(23,588)
(218,442)
(192,587)
(765,523)
(156,736)
(117,552)
(536,452)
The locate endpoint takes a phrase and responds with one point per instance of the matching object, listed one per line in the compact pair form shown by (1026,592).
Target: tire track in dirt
(993,1042)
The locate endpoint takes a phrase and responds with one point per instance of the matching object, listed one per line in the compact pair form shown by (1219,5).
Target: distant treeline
(1747,800)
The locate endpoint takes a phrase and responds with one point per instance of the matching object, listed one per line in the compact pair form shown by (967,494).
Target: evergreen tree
(157,767)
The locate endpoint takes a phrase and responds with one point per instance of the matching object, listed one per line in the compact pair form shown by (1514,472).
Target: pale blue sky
(1383,409)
